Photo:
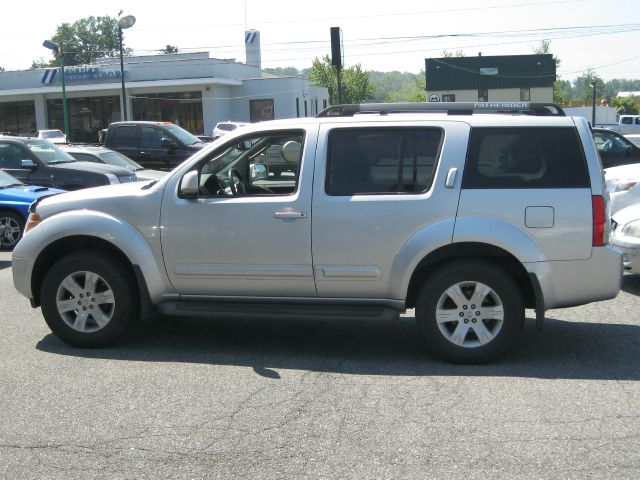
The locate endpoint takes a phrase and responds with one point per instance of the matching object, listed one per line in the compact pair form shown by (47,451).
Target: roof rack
(450,108)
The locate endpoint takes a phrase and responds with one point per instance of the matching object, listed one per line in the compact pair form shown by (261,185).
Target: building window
(181,108)
(525,95)
(261,110)
(483,95)
(18,117)
(315,103)
(324,103)
(306,109)
(87,116)
(297,107)
(449,97)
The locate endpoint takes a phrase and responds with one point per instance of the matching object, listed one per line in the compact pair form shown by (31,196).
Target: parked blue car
(15,198)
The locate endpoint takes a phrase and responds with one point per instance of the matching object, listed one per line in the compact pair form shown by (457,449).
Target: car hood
(26,193)
(630,171)
(93,167)
(147,174)
(627,214)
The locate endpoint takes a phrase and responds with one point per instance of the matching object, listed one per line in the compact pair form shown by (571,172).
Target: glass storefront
(181,108)
(87,116)
(18,117)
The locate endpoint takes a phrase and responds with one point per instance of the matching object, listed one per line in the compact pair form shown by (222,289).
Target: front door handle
(450,182)
(289,214)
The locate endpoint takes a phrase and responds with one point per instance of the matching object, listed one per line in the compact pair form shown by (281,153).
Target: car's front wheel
(11,228)
(89,299)
(470,311)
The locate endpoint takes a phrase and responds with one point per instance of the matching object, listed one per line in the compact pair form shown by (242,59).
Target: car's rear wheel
(11,228)
(470,311)
(89,299)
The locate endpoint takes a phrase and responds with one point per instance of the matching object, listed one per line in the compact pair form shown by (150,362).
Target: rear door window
(525,158)
(125,136)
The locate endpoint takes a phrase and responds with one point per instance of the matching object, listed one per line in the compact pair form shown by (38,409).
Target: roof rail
(450,108)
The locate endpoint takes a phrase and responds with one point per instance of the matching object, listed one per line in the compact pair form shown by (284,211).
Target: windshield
(182,135)
(115,158)
(52,134)
(48,153)
(7,180)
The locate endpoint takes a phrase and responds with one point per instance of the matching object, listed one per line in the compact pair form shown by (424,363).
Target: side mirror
(258,171)
(245,145)
(190,185)
(28,164)
(167,143)
(628,151)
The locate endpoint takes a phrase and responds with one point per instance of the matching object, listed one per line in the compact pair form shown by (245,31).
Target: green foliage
(356,86)
(85,41)
(447,54)
(288,72)
(398,87)
(625,106)
(583,86)
(169,49)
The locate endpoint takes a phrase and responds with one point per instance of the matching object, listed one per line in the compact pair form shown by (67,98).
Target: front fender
(135,244)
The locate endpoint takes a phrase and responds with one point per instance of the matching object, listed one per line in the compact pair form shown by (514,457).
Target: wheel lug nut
(93,300)
(88,294)
(474,320)
(461,314)
(466,320)
(84,308)
(79,302)
(473,307)
(478,312)
(464,307)
(81,296)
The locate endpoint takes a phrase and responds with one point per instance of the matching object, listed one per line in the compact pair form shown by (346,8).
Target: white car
(623,183)
(222,128)
(54,136)
(625,236)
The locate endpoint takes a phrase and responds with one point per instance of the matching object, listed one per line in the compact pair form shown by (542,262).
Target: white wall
(498,95)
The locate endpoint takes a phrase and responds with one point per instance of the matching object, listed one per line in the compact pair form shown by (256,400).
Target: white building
(189,89)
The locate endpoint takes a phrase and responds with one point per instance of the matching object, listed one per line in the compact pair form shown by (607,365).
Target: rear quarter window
(124,136)
(524,157)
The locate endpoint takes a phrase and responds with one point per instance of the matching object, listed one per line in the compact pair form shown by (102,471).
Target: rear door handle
(450,182)
(289,214)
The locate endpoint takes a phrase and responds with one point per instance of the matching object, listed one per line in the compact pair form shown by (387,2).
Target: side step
(271,311)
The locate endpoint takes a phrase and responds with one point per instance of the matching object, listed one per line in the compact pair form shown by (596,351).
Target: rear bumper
(577,282)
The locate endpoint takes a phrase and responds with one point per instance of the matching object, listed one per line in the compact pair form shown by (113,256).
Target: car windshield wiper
(13,185)
(150,184)
(57,162)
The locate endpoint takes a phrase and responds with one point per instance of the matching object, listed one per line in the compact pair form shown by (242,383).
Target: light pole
(593,105)
(124,23)
(65,112)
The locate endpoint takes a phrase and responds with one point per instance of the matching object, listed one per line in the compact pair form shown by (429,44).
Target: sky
(601,35)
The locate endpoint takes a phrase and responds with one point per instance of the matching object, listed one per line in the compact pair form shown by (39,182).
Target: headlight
(632,229)
(33,220)
(621,185)
(112,178)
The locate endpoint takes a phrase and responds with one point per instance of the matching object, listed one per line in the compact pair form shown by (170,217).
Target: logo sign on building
(50,75)
(488,71)
(434,98)
(79,74)
(250,37)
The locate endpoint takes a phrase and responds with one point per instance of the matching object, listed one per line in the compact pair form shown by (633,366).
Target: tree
(169,49)
(85,41)
(356,86)
(625,106)
(583,86)
(447,54)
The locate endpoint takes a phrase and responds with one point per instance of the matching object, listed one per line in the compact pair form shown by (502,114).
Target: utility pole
(337,57)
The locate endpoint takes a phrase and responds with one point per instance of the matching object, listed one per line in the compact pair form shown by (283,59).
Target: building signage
(434,98)
(79,74)
(488,71)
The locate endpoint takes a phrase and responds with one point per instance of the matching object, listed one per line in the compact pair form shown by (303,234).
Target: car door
(11,157)
(375,191)
(256,243)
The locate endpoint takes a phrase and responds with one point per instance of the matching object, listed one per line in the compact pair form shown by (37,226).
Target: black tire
(11,229)
(109,309)
(461,330)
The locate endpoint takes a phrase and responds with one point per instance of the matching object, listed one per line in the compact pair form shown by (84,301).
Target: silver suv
(466,215)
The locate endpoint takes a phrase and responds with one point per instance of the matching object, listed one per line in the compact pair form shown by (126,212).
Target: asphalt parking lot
(295,399)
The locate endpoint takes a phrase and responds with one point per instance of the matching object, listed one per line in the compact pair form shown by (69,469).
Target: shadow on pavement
(631,284)
(5,264)
(565,349)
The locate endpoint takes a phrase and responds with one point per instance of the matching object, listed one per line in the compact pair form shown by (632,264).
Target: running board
(271,311)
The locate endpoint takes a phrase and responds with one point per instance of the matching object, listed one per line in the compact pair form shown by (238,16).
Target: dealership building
(189,89)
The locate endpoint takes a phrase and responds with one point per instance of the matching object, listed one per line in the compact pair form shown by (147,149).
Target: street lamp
(593,105)
(58,48)
(124,23)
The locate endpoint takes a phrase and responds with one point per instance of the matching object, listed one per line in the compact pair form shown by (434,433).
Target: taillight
(598,220)
(33,220)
